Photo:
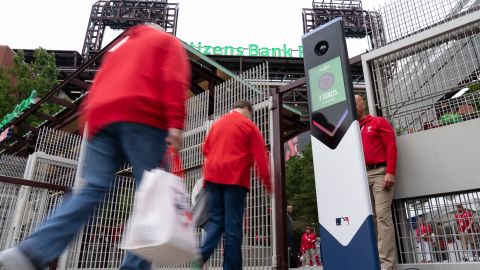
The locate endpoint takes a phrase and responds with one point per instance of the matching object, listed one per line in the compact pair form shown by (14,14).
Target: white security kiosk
(344,209)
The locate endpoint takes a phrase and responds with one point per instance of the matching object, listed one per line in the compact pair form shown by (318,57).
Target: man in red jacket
(134,108)
(308,247)
(232,146)
(380,151)
(424,234)
(466,230)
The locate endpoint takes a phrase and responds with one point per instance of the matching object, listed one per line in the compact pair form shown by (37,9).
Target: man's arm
(207,144)
(260,155)
(387,135)
(175,73)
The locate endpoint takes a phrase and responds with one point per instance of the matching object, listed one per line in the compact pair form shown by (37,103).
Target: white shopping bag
(160,228)
(200,205)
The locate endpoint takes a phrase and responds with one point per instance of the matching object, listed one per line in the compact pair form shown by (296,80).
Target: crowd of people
(432,242)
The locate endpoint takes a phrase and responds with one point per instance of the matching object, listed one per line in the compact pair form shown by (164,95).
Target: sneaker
(14,259)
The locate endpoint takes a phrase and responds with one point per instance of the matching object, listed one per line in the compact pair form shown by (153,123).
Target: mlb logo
(342,221)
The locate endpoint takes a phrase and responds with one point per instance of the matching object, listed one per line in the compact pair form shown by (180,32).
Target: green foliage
(17,83)
(6,99)
(300,189)
(40,75)
(473,87)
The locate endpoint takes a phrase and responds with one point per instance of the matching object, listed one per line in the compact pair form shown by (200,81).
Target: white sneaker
(14,259)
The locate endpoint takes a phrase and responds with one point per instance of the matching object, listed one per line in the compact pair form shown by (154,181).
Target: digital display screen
(326,84)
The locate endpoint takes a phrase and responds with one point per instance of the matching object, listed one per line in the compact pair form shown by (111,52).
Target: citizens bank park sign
(249,50)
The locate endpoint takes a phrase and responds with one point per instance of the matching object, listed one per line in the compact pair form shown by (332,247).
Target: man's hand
(388,181)
(174,138)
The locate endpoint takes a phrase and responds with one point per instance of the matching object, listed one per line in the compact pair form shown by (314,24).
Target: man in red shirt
(380,151)
(136,106)
(466,230)
(424,234)
(233,145)
(308,247)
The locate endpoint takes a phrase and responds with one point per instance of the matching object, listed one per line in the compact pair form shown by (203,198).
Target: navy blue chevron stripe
(361,252)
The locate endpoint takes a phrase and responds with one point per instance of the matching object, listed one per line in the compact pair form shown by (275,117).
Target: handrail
(30,183)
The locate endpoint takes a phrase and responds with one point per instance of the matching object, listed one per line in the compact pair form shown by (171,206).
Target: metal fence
(257,245)
(432,229)
(12,166)
(58,143)
(57,162)
(423,84)
(26,204)
(401,19)
(97,246)
(50,172)
(444,112)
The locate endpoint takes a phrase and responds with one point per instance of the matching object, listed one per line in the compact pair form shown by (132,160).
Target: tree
(300,189)
(17,83)
(6,100)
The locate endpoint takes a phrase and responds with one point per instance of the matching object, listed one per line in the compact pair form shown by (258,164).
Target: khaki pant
(310,254)
(469,238)
(382,212)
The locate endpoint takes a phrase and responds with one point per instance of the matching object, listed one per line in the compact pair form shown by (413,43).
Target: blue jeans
(226,206)
(141,145)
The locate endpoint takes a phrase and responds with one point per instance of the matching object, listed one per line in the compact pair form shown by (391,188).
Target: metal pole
(278,170)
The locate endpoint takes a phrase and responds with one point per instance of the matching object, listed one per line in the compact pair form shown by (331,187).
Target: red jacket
(463,220)
(143,79)
(378,139)
(232,146)
(308,241)
(424,229)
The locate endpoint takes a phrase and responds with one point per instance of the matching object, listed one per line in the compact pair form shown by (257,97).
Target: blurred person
(425,236)
(380,152)
(465,229)
(318,249)
(136,105)
(308,247)
(290,238)
(233,144)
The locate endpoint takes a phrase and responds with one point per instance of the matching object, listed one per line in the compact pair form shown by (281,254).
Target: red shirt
(463,220)
(424,229)
(232,146)
(378,139)
(143,79)
(308,241)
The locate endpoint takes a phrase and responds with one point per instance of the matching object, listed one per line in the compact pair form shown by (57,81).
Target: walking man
(290,238)
(380,151)
(232,146)
(136,106)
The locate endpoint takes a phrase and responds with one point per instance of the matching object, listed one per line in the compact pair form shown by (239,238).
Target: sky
(62,24)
